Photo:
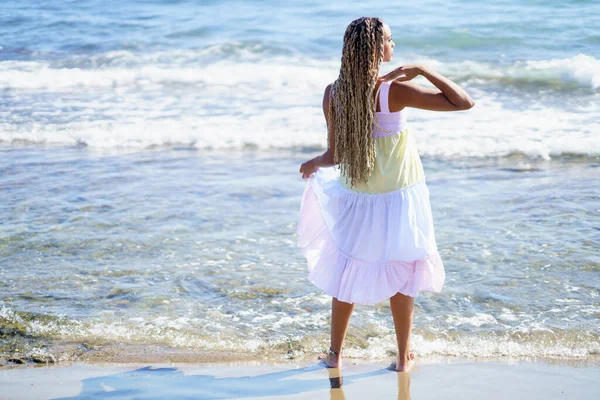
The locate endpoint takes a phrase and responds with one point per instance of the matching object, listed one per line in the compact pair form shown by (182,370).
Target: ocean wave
(533,153)
(190,334)
(124,100)
(580,71)
(125,67)
(490,130)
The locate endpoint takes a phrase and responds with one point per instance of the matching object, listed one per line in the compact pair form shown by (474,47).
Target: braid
(354,110)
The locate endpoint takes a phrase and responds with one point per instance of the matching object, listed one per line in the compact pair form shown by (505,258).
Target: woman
(366,230)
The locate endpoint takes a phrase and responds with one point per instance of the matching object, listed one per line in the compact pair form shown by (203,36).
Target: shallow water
(196,250)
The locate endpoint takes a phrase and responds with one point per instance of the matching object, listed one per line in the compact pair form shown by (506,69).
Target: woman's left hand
(308,168)
(404,73)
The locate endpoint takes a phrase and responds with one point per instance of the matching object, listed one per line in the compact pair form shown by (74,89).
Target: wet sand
(359,380)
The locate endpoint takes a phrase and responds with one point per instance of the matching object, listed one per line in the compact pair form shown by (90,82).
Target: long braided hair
(352,104)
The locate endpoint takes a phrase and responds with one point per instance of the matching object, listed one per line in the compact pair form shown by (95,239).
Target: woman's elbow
(329,157)
(467,105)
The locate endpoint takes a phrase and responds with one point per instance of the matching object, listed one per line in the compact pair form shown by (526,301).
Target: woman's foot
(331,359)
(404,366)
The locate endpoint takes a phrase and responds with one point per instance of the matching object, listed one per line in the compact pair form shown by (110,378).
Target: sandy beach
(359,380)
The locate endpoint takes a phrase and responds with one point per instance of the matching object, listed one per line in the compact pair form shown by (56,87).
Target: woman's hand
(404,73)
(308,168)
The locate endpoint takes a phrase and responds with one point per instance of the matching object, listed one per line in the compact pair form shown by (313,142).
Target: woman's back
(397,162)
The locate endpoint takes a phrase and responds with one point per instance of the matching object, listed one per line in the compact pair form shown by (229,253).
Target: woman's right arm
(327,158)
(447,97)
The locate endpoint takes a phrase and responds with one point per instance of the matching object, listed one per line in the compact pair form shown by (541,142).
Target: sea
(150,185)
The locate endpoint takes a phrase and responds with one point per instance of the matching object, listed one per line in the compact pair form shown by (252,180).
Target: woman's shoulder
(403,87)
(400,94)
(327,94)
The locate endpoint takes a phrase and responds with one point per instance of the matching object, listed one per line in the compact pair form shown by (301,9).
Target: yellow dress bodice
(397,165)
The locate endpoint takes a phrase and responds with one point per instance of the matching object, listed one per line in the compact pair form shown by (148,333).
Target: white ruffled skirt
(364,248)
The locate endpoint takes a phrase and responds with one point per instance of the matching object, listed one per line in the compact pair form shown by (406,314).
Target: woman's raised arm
(447,97)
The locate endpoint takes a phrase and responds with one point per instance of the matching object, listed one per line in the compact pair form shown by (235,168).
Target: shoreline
(465,379)
(156,354)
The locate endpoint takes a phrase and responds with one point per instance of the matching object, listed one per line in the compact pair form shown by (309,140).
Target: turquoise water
(149,190)
(244,74)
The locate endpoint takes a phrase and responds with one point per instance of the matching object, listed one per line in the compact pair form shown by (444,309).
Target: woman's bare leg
(402,311)
(340,319)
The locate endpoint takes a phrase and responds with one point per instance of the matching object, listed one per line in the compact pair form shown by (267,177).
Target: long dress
(367,242)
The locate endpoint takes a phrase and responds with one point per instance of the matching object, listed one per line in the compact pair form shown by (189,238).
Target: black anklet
(332,353)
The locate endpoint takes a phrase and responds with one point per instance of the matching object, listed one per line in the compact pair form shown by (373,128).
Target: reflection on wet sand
(403,385)
(336,382)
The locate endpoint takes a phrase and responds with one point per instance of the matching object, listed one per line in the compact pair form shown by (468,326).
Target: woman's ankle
(333,353)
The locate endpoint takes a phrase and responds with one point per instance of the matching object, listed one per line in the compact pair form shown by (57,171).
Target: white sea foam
(578,71)
(191,333)
(187,66)
(477,320)
(125,100)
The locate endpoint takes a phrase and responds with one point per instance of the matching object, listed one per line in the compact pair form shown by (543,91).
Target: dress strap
(377,94)
(383,97)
